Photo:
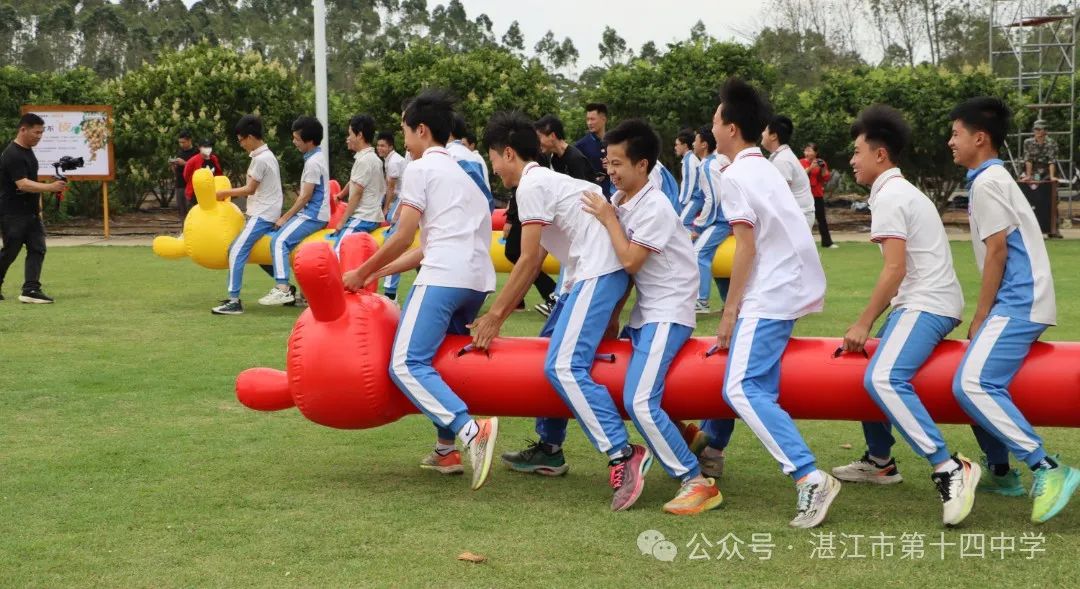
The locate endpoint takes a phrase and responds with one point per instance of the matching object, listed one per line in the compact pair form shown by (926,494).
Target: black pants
(182,204)
(822,222)
(18,230)
(544,284)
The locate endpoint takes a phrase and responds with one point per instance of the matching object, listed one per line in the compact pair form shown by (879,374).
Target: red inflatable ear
(356,248)
(319,274)
(264,389)
(337,207)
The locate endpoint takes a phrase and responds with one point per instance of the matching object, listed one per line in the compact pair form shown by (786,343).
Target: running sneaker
(627,477)
(957,489)
(865,470)
(536,459)
(814,501)
(449,463)
(482,449)
(229,307)
(695,498)
(1051,491)
(277,297)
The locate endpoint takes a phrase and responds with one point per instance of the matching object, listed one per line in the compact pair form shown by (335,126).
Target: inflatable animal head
(209,228)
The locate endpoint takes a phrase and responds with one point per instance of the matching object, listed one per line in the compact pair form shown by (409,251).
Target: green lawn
(125,461)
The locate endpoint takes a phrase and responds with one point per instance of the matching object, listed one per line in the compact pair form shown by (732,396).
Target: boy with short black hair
(710,227)
(366,189)
(654,248)
(565,158)
(684,150)
(263,191)
(1016,305)
(918,281)
(455,275)
(308,214)
(775,139)
(704,146)
(552,218)
(394,164)
(473,163)
(776,278)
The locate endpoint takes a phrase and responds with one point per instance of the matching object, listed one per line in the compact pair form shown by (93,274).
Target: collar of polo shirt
(881,180)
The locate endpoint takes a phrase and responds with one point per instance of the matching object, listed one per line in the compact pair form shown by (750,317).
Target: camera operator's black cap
(206,143)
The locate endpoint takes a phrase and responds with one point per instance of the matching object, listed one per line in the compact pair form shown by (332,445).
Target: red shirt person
(819,174)
(204,159)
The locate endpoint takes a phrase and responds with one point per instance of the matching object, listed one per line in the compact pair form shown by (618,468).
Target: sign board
(76,131)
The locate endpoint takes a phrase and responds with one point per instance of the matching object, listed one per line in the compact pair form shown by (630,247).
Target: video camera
(67,164)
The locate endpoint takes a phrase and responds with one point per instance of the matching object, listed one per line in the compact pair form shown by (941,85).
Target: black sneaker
(35,297)
(228,307)
(292,291)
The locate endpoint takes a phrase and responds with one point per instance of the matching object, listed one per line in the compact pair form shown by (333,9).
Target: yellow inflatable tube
(212,226)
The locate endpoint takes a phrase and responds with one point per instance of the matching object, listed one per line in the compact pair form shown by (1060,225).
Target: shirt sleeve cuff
(881,237)
(741,221)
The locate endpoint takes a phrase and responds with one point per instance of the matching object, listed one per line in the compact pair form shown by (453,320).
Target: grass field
(125,461)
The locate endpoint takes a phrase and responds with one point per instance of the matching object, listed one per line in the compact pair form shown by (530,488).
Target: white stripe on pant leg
(401,353)
(881,377)
(971,383)
(642,410)
(702,239)
(737,396)
(565,356)
(240,241)
(279,252)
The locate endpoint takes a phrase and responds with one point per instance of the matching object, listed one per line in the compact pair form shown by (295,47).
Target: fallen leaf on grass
(471,557)
(845,446)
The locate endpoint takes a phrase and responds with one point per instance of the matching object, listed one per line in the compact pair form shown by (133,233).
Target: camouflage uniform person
(1040,154)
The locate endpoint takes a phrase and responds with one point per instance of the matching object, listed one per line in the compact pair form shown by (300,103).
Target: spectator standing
(205,158)
(185,151)
(592,144)
(819,174)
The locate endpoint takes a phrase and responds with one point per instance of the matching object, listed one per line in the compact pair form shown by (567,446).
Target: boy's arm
(356,193)
(745,251)
(631,255)
(486,327)
(405,262)
(888,283)
(391,249)
(307,189)
(241,191)
(993,271)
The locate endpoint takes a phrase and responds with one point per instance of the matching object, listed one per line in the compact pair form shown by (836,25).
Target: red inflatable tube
(498,219)
(339,355)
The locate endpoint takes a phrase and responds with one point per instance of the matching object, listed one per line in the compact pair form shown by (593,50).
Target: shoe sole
(1072,481)
(548,471)
(701,311)
(1017,492)
(544,312)
(33,301)
(824,513)
(708,504)
(646,463)
(456,469)
(971,480)
(216,312)
(871,479)
(287,304)
(489,454)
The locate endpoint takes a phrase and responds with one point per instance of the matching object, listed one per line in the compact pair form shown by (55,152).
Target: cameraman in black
(20,207)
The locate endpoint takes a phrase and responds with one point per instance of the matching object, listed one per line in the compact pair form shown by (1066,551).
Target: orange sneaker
(695,498)
(448,464)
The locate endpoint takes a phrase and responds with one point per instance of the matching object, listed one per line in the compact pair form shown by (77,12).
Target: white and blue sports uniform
(787,282)
(553,200)
(454,279)
(694,195)
(263,210)
(1023,309)
(367,174)
(395,168)
(711,225)
(474,165)
(689,184)
(310,219)
(661,321)
(928,305)
(665,181)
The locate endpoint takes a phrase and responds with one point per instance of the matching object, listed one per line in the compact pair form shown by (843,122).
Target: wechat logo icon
(652,542)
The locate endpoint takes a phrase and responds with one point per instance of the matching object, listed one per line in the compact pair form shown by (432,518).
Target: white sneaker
(701,307)
(277,297)
(957,489)
(833,247)
(865,471)
(814,501)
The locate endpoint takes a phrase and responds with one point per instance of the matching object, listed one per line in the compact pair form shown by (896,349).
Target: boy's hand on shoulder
(598,206)
(484,329)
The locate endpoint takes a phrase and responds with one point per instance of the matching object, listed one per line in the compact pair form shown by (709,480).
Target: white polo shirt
(367,172)
(898,210)
(554,200)
(709,172)
(266,201)
(1027,288)
(667,282)
(455,224)
(797,179)
(395,167)
(787,281)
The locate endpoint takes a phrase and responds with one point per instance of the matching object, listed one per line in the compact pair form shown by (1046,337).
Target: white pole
(321,107)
